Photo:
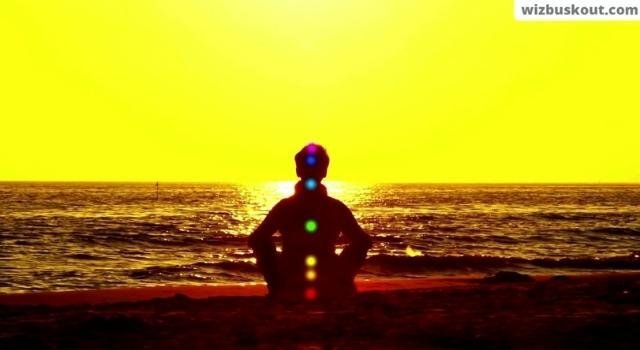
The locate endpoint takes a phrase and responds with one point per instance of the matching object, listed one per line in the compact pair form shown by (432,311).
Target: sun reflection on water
(259,198)
(272,192)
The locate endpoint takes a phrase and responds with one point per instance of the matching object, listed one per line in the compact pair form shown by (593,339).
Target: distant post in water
(157,190)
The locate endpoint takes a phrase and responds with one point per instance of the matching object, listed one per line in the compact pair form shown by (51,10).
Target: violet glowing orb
(312,148)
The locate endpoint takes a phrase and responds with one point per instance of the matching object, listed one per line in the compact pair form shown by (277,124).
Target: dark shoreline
(570,312)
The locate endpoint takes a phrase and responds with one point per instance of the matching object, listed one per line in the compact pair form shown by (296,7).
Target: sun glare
(336,189)
(283,188)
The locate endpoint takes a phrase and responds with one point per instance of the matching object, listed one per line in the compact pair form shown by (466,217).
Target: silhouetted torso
(286,273)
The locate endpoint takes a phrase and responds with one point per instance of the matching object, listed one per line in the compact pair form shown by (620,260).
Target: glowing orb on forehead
(311,160)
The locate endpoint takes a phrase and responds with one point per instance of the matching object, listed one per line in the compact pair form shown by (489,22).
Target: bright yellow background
(433,91)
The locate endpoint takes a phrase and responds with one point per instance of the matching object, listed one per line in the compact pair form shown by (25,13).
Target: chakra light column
(311,226)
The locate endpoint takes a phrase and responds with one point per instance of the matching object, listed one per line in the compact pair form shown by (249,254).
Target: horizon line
(550,183)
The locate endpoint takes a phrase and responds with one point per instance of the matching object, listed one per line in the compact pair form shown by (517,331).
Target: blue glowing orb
(311,184)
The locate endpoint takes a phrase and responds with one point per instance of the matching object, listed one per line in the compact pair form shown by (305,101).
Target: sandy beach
(577,311)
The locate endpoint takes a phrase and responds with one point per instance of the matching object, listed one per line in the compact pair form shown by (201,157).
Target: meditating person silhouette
(310,223)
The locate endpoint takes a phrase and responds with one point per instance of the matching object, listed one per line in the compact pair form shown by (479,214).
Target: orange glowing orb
(311,275)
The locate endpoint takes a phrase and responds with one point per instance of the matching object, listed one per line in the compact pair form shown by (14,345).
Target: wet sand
(576,312)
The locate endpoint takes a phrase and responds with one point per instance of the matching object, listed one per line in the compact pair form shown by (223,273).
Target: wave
(179,240)
(198,269)
(232,266)
(391,263)
(618,230)
(602,232)
(85,256)
(565,216)
(579,216)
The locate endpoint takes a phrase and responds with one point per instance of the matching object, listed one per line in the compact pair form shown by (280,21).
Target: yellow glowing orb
(311,260)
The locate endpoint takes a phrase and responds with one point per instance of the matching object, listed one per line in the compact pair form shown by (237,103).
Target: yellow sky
(428,91)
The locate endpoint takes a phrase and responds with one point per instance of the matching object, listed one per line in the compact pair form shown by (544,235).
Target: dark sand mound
(596,311)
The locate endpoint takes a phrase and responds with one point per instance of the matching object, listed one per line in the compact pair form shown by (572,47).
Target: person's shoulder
(282,203)
(278,207)
(337,203)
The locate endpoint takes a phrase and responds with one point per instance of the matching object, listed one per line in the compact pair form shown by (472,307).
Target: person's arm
(264,248)
(355,253)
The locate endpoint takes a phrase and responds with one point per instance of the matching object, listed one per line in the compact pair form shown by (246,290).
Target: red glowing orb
(310,294)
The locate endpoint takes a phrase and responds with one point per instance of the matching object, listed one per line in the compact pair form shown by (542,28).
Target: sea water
(65,236)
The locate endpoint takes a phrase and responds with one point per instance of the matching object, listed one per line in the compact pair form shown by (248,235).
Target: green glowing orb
(311,226)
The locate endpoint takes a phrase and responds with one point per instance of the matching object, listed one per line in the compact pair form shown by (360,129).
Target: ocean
(69,236)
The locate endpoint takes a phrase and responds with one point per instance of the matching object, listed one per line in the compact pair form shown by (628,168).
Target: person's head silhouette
(312,162)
